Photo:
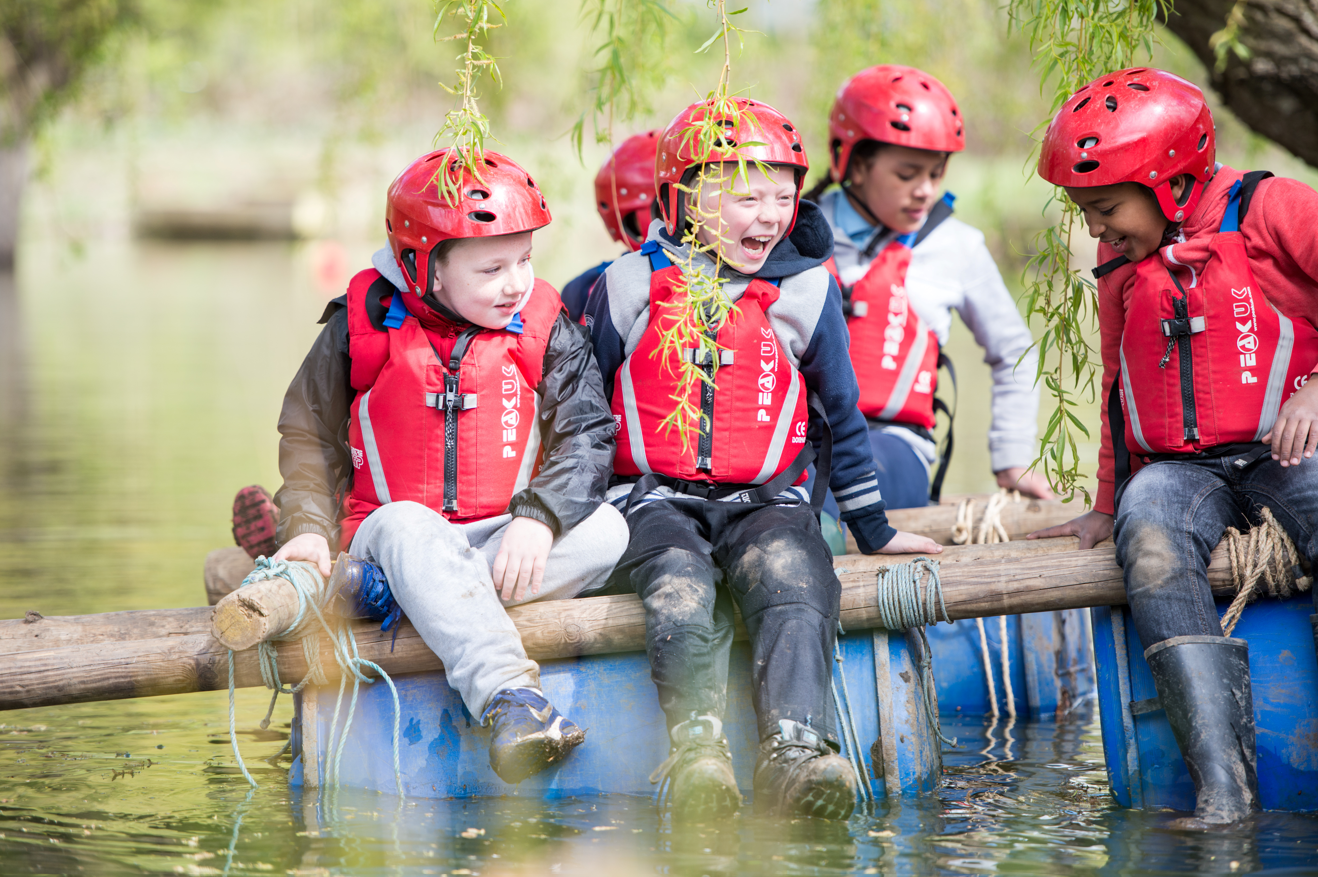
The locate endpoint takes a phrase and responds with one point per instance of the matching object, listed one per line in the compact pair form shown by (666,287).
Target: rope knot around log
(1264,560)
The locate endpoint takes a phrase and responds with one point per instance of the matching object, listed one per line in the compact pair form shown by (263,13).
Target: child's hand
(1027,482)
(911,543)
(311,547)
(1092,527)
(521,558)
(1296,429)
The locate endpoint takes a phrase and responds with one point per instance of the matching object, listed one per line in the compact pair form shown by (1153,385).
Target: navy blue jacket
(577,290)
(808,320)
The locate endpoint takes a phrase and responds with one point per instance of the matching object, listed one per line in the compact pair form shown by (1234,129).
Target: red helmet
(1134,126)
(628,177)
(779,143)
(416,217)
(893,104)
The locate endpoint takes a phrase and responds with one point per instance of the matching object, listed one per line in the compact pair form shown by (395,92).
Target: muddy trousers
(1173,513)
(690,560)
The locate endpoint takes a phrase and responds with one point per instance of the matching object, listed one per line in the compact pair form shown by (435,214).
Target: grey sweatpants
(439,573)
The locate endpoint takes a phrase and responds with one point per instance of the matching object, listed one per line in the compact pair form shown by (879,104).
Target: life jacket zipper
(1178,330)
(705,447)
(453,402)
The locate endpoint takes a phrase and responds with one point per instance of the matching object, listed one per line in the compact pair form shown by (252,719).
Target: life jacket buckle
(451,401)
(700,356)
(1179,326)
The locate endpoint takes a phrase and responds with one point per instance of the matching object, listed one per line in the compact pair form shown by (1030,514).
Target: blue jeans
(1172,515)
(903,479)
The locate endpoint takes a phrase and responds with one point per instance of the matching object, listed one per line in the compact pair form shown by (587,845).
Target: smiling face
(1125,216)
(752,211)
(898,185)
(486,280)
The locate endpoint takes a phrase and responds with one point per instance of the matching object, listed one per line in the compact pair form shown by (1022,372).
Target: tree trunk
(1275,91)
(13,177)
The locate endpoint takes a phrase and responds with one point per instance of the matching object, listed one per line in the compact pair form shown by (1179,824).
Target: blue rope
(904,605)
(312,594)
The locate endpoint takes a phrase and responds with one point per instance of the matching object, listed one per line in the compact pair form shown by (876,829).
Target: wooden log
(1018,518)
(54,631)
(224,571)
(978,581)
(254,614)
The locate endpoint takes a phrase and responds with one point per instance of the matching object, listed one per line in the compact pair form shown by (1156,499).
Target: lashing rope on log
(991,531)
(312,594)
(1263,556)
(910,595)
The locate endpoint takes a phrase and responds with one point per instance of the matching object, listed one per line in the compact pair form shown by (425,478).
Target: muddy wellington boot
(528,734)
(1203,683)
(696,779)
(798,774)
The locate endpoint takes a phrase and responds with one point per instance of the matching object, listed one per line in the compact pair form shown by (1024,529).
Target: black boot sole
(535,754)
(706,803)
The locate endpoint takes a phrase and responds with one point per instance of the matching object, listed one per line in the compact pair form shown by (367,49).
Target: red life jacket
(754,414)
(1211,364)
(894,353)
(444,418)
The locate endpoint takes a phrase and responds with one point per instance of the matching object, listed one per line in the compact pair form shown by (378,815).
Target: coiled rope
(312,595)
(910,595)
(1263,556)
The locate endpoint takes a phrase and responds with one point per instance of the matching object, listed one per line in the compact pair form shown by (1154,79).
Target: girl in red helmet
(624,197)
(449,430)
(904,264)
(728,505)
(1208,302)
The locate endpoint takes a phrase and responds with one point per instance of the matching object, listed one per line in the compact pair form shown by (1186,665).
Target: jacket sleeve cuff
(1103,498)
(525,507)
(870,527)
(297,528)
(1010,455)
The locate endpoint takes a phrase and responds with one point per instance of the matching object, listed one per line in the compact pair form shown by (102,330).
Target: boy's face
(899,185)
(486,280)
(1125,216)
(753,215)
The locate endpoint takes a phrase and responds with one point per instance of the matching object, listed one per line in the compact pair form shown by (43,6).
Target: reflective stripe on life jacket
(894,352)
(446,417)
(754,415)
(1212,363)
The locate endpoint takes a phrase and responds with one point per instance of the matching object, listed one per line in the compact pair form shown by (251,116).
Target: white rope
(988,668)
(990,531)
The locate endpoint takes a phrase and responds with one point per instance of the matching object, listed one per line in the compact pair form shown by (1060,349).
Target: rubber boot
(798,774)
(696,779)
(528,734)
(1203,683)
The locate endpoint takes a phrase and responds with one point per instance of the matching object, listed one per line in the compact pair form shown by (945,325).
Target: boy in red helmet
(725,505)
(449,429)
(904,264)
(624,197)
(1208,302)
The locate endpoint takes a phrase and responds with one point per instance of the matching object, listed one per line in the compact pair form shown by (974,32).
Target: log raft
(978,581)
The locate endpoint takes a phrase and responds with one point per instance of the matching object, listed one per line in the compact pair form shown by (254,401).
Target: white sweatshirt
(953,269)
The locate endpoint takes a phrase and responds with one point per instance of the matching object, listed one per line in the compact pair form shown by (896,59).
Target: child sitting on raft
(720,505)
(624,197)
(904,263)
(460,415)
(1207,304)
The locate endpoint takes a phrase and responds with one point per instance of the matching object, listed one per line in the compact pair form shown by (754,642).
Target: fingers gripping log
(978,581)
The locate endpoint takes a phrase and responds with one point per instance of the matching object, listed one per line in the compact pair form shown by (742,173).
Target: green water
(139,388)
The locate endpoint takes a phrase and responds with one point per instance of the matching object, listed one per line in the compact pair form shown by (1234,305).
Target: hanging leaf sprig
(465,128)
(1074,41)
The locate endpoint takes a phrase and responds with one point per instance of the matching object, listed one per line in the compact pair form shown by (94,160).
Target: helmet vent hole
(388,226)
(1109,83)
(1087,142)
(490,163)
(900,126)
(530,182)
(543,205)
(925,86)
(1136,70)
(1086,167)
(1080,106)
(796,147)
(787,127)
(481,216)
(477,194)
(954,112)
(1111,103)
(905,108)
(1138,86)
(604,205)
(1203,141)
(897,78)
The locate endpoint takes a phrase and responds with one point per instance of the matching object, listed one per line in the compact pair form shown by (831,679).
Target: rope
(910,595)
(990,532)
(1266,556)
(847,723)
(312,594)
